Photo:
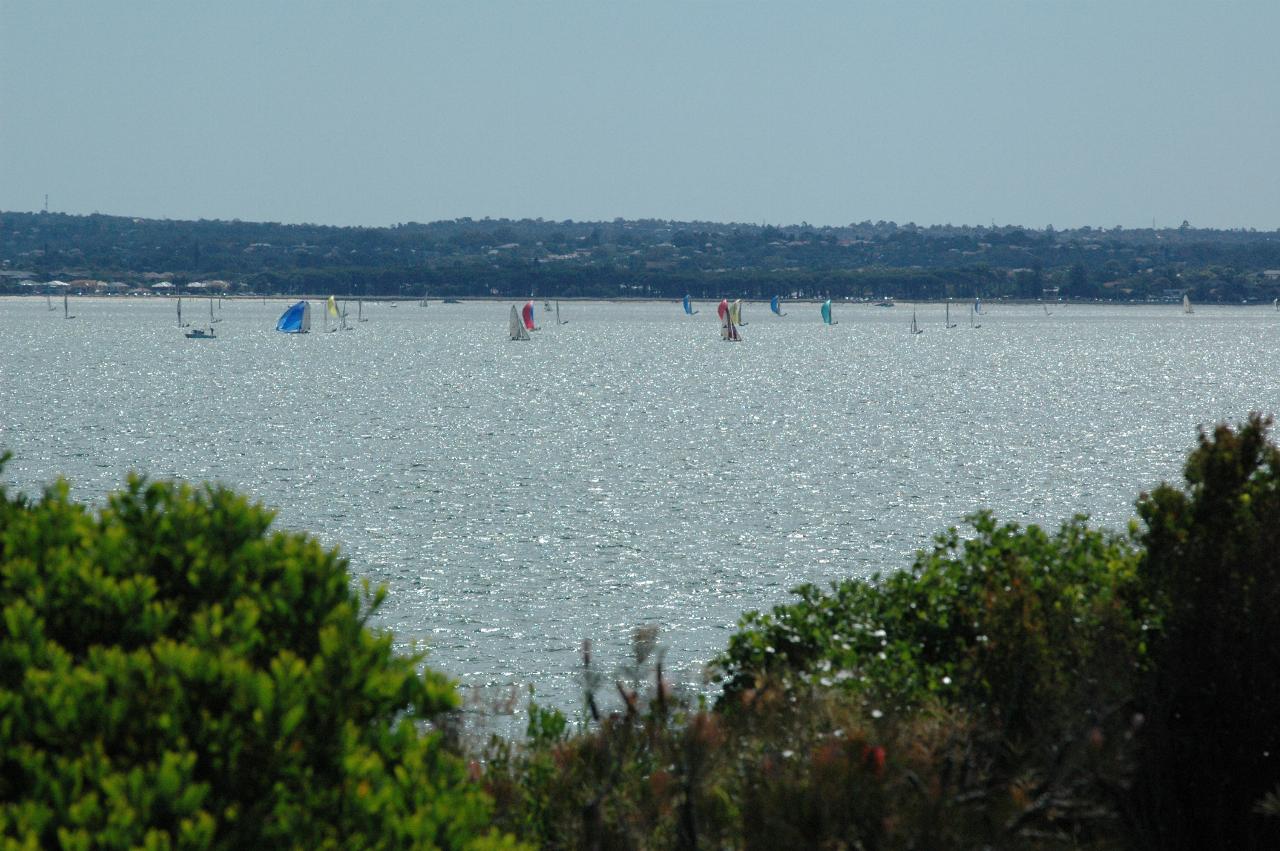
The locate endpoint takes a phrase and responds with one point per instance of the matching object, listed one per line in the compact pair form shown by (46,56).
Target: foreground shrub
(1026,630)
(793,767)
(1210,745)
(172,675)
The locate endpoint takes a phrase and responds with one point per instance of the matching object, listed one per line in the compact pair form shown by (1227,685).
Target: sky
(374,113)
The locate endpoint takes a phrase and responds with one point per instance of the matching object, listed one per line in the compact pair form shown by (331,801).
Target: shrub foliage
(1210,745)
(174,675)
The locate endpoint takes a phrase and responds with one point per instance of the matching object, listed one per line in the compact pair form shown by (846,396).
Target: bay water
(626,469)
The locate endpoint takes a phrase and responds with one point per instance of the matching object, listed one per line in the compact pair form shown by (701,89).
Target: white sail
(516,329)
(1186,304)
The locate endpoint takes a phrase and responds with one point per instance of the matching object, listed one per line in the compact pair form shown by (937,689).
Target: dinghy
(295,320)
(516,329)
(728,329)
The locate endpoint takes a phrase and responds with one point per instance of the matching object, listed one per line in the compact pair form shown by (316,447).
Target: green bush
(172,675)
(1210,746)
(1017,625)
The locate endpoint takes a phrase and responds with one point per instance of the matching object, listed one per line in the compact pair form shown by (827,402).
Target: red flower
(873,758)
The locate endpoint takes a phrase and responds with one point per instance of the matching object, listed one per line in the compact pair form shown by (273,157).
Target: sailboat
(688,308)
(181,324)
(527,316)
(915,326)
(48,301)
(973,312)
(360,311)
(826,314)
(728,328)
(66,309)
(776,307)
(947,323)
(560,321)
(736,310)
(211,319)
(295,320)
(516,329)
(331,309)
(1186,304)
(1047,312)
(977,306)
(345,325)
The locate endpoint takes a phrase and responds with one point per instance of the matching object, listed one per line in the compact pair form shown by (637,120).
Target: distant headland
(645,258)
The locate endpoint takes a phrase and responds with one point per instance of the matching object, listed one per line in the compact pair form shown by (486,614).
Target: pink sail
(527,314)
(722,308)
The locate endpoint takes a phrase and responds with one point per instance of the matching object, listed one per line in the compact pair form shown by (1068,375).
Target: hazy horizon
(1014,113)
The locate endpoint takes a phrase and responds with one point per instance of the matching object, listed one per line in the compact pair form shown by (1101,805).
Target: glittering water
(627,468)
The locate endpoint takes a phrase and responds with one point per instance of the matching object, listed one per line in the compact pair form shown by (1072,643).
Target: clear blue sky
(373,113)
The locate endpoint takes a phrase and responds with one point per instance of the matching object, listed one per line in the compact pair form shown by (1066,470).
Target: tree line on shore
(651,258)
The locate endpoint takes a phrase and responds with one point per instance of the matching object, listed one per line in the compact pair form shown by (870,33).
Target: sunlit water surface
(627,468)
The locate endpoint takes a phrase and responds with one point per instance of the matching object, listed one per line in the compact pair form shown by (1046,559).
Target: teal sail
(295,320)
(826,313)
(776,307)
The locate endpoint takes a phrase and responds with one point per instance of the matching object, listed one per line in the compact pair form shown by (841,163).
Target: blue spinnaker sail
(295,320)
(826,312)
(688,308)
(776,306)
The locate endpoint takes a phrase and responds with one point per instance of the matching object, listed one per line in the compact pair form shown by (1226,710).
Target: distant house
(1271,274)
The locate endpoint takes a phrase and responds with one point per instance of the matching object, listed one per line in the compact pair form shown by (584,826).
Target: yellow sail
(333,307)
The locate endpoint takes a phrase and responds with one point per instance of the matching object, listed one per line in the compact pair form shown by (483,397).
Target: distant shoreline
(992,301)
